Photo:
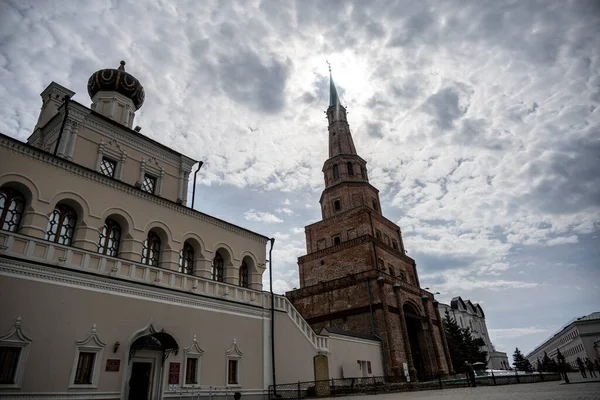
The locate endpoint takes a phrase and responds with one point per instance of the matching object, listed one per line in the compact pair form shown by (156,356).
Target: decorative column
(72,141)
(407,350)
(62,146)
(449,365)
(391,339)
(430,339)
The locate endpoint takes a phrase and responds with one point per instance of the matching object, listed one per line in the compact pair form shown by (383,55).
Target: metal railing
(380,384)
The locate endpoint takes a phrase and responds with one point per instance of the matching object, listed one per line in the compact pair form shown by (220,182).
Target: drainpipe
(62,126)
(200,163)
(383,355)
(272,240)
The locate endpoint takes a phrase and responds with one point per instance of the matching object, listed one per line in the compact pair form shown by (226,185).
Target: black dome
(117,80)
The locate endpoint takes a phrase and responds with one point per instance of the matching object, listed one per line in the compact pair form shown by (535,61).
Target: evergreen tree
(519,361)
(461,344)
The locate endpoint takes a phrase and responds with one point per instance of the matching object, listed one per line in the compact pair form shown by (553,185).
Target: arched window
(216,271)
(350,168)
(61,225)
(110,237)
(244,274)
(151,249)
(186,259)
(12,204)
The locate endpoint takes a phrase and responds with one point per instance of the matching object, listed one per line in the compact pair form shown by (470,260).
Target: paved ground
(579,389)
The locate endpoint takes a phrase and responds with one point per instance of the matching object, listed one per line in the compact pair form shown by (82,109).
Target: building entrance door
(140,383)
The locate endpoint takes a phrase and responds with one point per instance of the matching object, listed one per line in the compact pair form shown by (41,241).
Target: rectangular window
(149,184)
(362,172)
(9,360)
(350,168)
(85,367)
(391,269)
(191,371)
(108,167)
(336,240)
(336,172)
(337,205)
(381,264)
(375,205)
(232,372)
(369,367)
(394,244)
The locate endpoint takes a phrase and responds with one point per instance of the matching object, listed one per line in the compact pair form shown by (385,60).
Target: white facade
(469,315)
(113,288)
(580,338)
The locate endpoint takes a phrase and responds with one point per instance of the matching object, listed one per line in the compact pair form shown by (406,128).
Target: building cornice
(42,156)
(50,274)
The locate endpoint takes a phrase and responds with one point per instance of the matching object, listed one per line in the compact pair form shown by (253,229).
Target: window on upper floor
(381,264)
(12,205)
(386,239)
(149,184)
(151,249)
(244,274)
(350,168)
(61,225)
(378,235)
(336,172)
(394,244)
(218,265)
(110,237)
(375,207)
(337,240)
(362,172)
(402,275)
(391,269)
(108,167)
(9,361)
(337,205)
(186,259)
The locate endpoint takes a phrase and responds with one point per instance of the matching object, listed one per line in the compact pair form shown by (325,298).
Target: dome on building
(117,80)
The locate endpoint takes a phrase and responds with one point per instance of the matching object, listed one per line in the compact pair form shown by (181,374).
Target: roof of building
(586,318)
(334,99)
(338,331)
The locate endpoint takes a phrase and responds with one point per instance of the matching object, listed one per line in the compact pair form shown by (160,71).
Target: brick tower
(356,275)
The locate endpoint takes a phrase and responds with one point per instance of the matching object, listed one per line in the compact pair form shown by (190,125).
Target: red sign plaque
(174,373)
(113,365)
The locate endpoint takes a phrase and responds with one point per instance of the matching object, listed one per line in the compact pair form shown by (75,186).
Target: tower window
(336,172)
(336,240)
(149,184)
(108,167)
(375,205)
(350,168)
(362,172)
(337,205)
(394,244)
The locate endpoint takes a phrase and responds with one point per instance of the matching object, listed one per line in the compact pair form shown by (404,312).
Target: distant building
(469,315)
(579,338)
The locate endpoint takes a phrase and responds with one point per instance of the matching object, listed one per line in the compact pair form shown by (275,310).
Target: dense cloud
(480,123)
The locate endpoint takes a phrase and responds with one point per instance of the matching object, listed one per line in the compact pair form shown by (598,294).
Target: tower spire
(334,99)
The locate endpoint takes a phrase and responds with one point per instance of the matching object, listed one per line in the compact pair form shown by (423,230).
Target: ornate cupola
(116,94)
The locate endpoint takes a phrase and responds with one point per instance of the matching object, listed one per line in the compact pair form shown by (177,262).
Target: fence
(379,384)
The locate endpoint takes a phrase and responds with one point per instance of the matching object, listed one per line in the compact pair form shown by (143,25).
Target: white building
(469,315)
(579,338)
(112,287)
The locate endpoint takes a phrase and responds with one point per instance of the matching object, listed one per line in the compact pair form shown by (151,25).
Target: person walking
(590,366)
(470,374)
(581,367)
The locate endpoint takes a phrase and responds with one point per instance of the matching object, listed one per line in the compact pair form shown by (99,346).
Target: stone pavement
(581,390)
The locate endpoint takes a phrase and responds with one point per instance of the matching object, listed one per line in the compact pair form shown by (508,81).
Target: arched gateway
(147,355)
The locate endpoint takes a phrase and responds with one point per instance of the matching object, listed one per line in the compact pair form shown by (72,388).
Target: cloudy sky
(480,122)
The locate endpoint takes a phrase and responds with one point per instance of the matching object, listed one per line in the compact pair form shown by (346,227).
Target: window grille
(216,272)
(108,167)
(151,249)
(186,259)
(12,204)
(149,184)
(244,274)
(110,237)
(61,225)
